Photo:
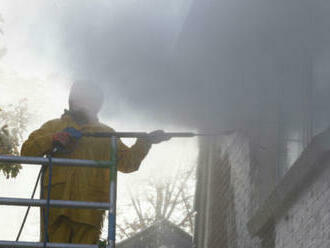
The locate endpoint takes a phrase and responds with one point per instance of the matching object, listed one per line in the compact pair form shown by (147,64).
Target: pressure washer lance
(146,135)
(57,147)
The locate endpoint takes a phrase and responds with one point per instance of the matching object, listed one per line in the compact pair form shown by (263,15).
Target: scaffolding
(110,206)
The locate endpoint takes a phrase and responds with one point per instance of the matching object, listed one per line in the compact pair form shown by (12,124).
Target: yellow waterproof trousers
(63,230)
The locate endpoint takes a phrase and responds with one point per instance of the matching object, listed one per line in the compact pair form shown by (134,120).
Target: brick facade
(295,213)
(306,224)
(226,203)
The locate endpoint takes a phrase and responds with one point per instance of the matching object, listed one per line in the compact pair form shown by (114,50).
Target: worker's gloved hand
(157,137)
(66,137)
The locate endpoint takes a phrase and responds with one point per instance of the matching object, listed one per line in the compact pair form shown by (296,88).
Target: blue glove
(74,133)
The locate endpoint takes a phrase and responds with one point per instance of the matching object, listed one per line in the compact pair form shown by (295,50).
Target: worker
(81,226)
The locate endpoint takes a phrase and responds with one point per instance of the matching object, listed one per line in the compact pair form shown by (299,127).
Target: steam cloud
(219,66)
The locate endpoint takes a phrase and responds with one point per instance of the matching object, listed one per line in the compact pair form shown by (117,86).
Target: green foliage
(102,244)
(13,120)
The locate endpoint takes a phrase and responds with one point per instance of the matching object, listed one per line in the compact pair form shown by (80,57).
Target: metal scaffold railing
(110,206)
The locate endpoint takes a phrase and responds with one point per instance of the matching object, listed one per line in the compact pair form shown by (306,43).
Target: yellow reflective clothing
(77,183)
(64,230)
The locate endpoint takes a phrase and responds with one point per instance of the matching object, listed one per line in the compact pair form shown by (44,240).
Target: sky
(32,70)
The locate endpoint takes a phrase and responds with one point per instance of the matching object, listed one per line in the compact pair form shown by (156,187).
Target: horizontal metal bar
(39,244)
(55,161)
(138,134)
(53,203)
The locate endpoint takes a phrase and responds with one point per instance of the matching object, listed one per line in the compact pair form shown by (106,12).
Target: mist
(199,64)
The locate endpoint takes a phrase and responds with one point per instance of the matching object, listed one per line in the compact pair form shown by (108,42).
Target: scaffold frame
(110,206)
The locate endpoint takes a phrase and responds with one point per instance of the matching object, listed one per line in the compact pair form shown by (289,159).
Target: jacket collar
(80,118)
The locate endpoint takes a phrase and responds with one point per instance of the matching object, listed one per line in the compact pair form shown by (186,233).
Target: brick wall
(306,224)
(223,212)
(296,212)
(238,150)
(215,223)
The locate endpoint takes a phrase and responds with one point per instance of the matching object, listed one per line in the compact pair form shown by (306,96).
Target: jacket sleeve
(40,141)
(129,159)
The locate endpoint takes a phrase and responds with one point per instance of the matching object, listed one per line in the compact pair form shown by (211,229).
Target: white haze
(194,63)
(204,64)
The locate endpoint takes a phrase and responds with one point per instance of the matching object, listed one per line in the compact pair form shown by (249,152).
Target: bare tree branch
(178,194)
(122,231)
(137,210)
(188,209)
(171,200)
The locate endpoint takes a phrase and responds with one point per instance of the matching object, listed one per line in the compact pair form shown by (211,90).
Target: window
(304,112)
(292,131)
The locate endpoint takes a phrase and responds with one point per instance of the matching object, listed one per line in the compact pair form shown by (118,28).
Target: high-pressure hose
(29,207)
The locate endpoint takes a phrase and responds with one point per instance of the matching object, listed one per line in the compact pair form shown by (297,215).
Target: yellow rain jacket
(77,183)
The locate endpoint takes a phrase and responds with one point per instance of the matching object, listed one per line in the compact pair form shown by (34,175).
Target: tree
(13,122)
(170,200)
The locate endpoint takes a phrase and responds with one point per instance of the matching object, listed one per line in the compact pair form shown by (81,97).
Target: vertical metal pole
(46,217)
(113,194)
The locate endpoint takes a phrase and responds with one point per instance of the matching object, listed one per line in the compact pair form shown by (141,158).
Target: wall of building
(238,149)
(296,213)
(227,203)
(306,224)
